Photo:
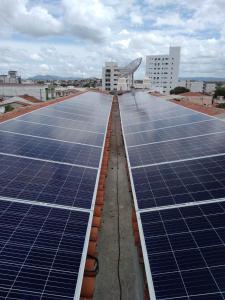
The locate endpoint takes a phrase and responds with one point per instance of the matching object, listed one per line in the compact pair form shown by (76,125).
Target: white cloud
(44,68)
(122,44)
(35,56)
(169,20)
(35,21)
(136,18)
(88,19)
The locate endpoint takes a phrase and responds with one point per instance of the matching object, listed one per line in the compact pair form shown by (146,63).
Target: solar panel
(179,192)
(37,117)
(41,251)
(188,148)
(135,119)
(82,114)
(67,135)
(48,184)
(49,149)
(186,251)
(149,111)
(179,120)
(70,116)
(181,182)
(178,132)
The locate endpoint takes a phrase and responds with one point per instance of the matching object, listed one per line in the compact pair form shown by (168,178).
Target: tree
(87,84)
(8,107)
(179,90)
(220,91)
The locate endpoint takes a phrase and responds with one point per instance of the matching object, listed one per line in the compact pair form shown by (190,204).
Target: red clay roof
(211,111)
(30,98)
(191,94)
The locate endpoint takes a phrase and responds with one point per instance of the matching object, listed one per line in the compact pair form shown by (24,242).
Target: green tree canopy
(179,90)
(8,107)
(220,91)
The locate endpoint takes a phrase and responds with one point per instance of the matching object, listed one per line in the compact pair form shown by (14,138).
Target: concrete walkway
(120,275)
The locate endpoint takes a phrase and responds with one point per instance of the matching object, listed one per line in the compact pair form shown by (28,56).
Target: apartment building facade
(110,73)
(163,70)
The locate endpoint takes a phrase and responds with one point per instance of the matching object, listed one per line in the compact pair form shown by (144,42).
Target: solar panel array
(176,159)
(50,163)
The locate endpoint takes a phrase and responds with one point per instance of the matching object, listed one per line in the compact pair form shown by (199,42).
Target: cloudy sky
(75,37)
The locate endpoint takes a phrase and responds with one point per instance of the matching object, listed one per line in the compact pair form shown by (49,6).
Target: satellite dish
(130,69)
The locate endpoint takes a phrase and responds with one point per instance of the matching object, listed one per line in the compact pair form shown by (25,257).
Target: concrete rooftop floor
(120,273)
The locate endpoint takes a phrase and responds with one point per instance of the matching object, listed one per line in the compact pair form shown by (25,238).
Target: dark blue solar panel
(149,111)
(81,115)
(40,251)
(46,182)
(70,116)
(177,150)
(187,259)
(73,115)
(49,149)
(41,246)
(62,134)
(178,120)
(36,116)
(85,107)
(181,182)
(178,132)
(150,116)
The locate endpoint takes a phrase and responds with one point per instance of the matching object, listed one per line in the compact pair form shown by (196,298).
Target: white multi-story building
(11,78)
(163,70)
(195,86)
(110,73)
(209,88)
(113,78)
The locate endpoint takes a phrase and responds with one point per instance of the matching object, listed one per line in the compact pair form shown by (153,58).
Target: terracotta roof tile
(191,94)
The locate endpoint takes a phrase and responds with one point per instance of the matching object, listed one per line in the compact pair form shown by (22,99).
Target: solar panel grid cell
(78,111)
(177,150)
(181,182)
(182,131)
(149,111)
(49,149)
(66,135)
(135,119)
(46,182)
(176,121)
(186,250)
(40,251)
(71,115)
(73,124)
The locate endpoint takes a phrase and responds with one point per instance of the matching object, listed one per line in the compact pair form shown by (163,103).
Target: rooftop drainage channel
(120,273)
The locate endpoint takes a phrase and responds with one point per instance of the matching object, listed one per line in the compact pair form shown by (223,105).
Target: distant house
(16,101)
(196,97)
(40,92)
